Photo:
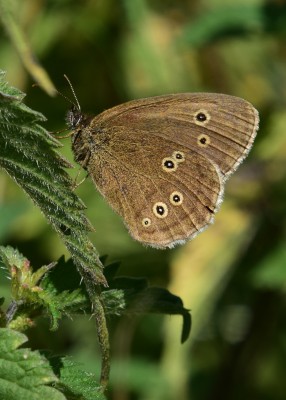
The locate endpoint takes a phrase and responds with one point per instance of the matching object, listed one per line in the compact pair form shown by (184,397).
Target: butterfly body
(161,162)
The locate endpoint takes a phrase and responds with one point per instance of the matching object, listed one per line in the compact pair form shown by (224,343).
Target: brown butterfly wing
(161,162)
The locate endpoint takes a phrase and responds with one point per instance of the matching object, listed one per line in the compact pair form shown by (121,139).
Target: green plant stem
(103,338)
(23,48)
(101,326)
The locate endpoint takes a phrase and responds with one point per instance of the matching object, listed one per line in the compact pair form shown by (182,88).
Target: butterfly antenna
(73,92)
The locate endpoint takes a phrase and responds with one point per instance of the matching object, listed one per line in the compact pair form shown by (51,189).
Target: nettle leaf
(27,153)
(43,291)
(74,381)
(57,292)
(24,374)
(67,295)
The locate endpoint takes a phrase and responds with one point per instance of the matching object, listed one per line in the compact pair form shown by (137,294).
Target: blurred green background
(233,276)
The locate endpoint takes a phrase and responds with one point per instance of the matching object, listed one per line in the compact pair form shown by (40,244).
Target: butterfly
(162,162)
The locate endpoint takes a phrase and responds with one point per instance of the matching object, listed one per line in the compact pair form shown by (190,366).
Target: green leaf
(65,293)
(218,22)
(48,290)
(27,153)
(74,382)
(24,374)
(135,296)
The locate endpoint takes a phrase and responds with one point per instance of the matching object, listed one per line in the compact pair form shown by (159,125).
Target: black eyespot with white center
(169,164)
(179,156)
(160,210)
(203,140)
(146,222)
(201,117)
(176,198)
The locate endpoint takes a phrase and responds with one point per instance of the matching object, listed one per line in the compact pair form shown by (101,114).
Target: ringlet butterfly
(162,162)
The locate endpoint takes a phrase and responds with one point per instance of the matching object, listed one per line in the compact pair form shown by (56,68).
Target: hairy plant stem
(101,327)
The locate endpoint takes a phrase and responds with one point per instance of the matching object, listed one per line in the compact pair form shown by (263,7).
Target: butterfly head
(74,117)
